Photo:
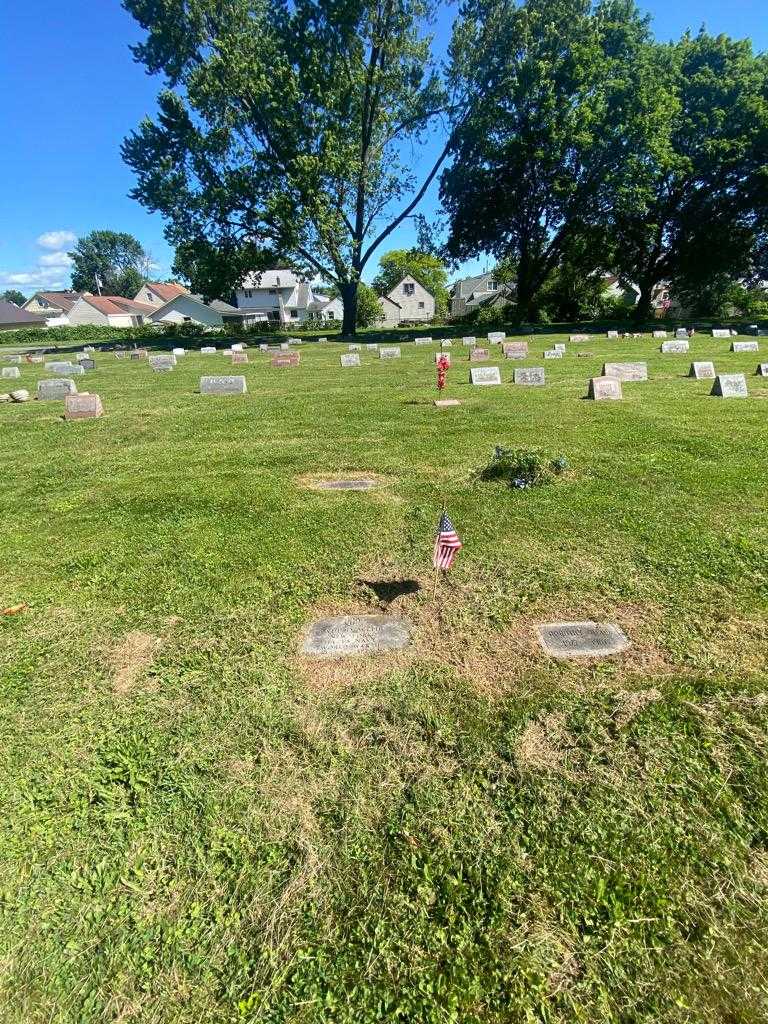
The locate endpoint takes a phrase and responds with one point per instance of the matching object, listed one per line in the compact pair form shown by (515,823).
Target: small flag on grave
(447,544)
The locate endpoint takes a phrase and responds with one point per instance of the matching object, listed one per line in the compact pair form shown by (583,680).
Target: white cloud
(34,280)
(55,259)
(55,239)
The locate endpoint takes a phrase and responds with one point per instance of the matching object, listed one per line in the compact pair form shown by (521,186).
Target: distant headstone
(702,371)
(560,347)
(57,366)
(223,386)
(73,370)
(120,355)
(294,341)
(422,341)
(86,363)
(745,346)
(139,353)
(515,349)
(363,483)
(612,334)
(346,635)
(239,358)
(730,385)
(530,376)
(446,403)
(762,370)
(468,341)
(675,347)
(604,388)
(88,348)
(322,339)
(582,639)
(354,348)
(351,359)
(238,347)
(721,332)
(22,395)
(442,355)
(372,347)
(659,334)
(162,364)
(553,353)
(393,352)
(286,359)
(208,350)
(178,352)
(12,359)
(578,337)
(496,337)
(11,372)
(55,389)
(479,355)
(762,333)
(681,334)
(626,371)
(485,375)
(82,407)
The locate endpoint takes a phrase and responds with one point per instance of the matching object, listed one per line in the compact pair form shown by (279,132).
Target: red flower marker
(442,369)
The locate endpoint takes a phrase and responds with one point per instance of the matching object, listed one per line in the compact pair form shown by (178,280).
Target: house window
(249,293)
(409,289)
(274,314)
(273,291)
(421,305)
(331,315)
(294,314)
(492,286)
(187,319)
(150,297)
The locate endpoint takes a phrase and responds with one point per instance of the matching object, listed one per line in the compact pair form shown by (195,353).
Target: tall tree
(114,258)
(13,295)
(429,271)
(534,165)
(283,130)
(693,207)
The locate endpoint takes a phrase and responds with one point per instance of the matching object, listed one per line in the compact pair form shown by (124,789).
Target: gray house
(481,290)
(414,301)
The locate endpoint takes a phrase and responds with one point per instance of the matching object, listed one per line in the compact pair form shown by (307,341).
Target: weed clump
(521,468)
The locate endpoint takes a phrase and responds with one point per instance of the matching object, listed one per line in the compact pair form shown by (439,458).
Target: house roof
(166,291)
(10,314)
(280,278)
(468,285)
(116,305)
(411,280)
(64,300)
(386,298)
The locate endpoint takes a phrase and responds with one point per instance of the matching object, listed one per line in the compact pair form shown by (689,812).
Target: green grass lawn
(198,825)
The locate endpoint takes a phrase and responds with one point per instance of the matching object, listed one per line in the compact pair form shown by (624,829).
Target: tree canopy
(282,132)
(13,295)
(429,271)
(114,258)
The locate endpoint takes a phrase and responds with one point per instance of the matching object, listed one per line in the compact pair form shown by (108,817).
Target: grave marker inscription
(626,371)
(485,375)
(82,407)
(530,376)
(604,389)
(223,386)
(730,385)
(702,371)
(582,639)
(345,635)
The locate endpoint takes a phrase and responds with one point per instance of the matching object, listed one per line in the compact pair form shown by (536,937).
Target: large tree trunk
(644,308)
(349,298)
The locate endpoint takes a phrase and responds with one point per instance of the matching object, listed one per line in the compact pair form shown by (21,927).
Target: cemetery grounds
(199,824)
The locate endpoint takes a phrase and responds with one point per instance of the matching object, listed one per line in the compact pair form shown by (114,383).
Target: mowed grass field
(200,825)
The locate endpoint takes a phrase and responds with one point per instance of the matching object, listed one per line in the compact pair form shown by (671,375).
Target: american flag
(447,544)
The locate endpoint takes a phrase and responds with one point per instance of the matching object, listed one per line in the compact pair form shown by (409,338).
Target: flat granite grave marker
(139,353)
(354,348)
(57,366)
(515,350)
(479,355)
(730,385)
(12,359)
(372,346)
(560,347)
(162,364)
(530,376)
(468,341)
(86,363)
(721,332)
(702,371)
(82,407)
(496,337)
(11,372)
(359,483)
(762,369)
(55,389)
(422,341)
(446,403)
(208,350)
(349,360)
(485,375)
(578,337)
(582,639)
(675,346)
(223,386)
(391,352)
(681,334)
(659,334)
(442,355)
(604,389)
(745,346)
(612,334)
(626,371)
(239,358)
(345,635)
(286,359)
(553,353)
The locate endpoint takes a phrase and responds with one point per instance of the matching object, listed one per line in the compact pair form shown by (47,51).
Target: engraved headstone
(392,352)
(55,389)
(86,363)
(238,347)
(446,403)
(294,341)
(553,353)
(208,350)
(730,385)
(322,339)
(516,350)
(11,372)
(362,483)
(447,343)
(604,388)
(745,346)
(762,370)
(372,347)
(485,375)
(496,337)
(612,334)
(560,347)
(681,334)
(721,332)
(479,355)
(422,341)
(468,341)
(239,358)
(82,407)
(22,395)
(354,348)
(121,355)
(659,334)
(578,337)
(675,347)
(162,364)
(702,371)
(139,353)
(57,366)
(12,358)
(582,639)
(530,376)
(223,386)
(626,371)
(346,635)
(286,359)
(351,359)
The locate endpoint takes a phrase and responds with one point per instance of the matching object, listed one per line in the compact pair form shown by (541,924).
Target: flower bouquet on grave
(442,370)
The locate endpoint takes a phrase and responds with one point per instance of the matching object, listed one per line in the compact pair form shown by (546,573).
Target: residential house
(109,311)
(51,304)
(470,293)
(184,308)
(414,300)
(13,318)
(615,288)
(283,295)
(391,311)
(327,309)
(157,293)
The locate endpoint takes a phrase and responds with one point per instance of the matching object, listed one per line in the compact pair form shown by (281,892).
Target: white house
(184,308)
(157,293)
(51,304)
(414,301)
(390,311)
(284,296)
(109,311)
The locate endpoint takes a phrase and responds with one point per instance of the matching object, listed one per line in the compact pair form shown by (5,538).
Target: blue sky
(71,92)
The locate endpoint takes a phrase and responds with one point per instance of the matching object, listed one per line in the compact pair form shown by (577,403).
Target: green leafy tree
(115,258)
(693,205)
(429,271)
(14,295)
(535,164)
(283,131)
